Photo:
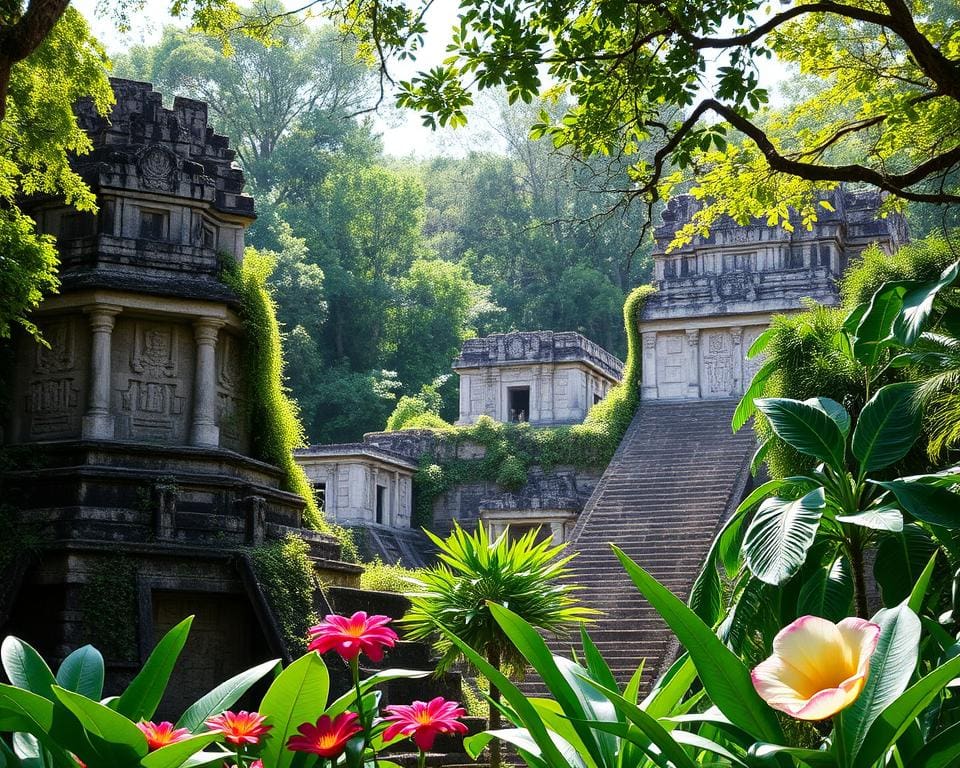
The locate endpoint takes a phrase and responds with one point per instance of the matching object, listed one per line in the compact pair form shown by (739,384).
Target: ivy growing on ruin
(511,449)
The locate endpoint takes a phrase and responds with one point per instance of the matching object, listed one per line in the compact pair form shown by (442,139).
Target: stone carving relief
(158,168)
(230,404)
(52,405)
(671,365)
(718,364)
(151,405)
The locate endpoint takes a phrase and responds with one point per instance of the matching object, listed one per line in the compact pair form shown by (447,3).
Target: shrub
(379,576)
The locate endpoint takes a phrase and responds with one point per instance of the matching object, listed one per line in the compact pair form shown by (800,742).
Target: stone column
(98,422)
(736,334)
(649,369)
(395,502)
(693,363)
(204,429)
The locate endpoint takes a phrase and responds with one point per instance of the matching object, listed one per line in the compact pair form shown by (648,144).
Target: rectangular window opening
(381,503)
(518,402)
(320,495)
(153,225)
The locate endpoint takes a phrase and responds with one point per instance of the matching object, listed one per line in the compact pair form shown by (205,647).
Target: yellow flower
(818,668)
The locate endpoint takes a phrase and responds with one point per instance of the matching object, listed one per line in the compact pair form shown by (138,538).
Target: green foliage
(285,573)
(108,601)
(475,571)
(275,424)
(511,449)
(38,136)
(379,576)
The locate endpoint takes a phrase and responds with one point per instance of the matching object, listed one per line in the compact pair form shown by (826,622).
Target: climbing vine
(108,601)
(511,449)
(285,574)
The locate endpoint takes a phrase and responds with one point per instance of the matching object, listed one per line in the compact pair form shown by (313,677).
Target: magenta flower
(349,637)
(328,737)
(160,734)
(240,727)
(424,720)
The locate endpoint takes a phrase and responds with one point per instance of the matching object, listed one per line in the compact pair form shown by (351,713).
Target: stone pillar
(98,422)
(204,430)
(395,501)
(649,369)
(693,363)
(736,334)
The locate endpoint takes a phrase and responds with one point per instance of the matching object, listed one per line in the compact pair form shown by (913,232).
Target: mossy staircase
(677,474)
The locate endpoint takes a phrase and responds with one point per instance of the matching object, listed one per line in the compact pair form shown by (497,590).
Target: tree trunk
(855,548)
(493,657)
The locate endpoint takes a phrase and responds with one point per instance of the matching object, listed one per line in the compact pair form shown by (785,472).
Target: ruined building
(132,479)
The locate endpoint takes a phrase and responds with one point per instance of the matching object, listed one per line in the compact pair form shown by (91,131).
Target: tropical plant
(474,571)
(56,721)
(709,708)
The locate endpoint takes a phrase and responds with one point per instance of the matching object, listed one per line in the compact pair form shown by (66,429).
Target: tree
(896,65)
(38,134)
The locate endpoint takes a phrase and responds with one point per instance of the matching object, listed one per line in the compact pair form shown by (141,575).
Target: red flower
(160,734)
(349,637)
(240,727)
(423,721)
(327,738)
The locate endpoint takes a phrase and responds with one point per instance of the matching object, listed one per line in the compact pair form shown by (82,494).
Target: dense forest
(385,266)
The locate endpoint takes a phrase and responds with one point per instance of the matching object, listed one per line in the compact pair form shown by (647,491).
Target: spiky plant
(522,574)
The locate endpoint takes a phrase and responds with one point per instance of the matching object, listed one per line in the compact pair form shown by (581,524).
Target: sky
(402,131)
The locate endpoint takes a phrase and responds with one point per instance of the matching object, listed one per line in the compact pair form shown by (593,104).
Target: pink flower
(240,727)
(160,734)
(424,720)
(349,637)
(818,668)
(328,738)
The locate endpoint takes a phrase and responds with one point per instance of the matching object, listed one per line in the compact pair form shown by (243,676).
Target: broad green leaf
(703,744)
(919,591)
(852,320)
(32,714)
(746,407)
(888,427)
(115,740)
(918,304)
(875,329)
(82,672)
(657,734)
(761,343)
(346,700)
(883,518)
(670,689)
(900,562)
(175,755)
(596,665)
(724,676)
(815,758)
(521,739)
(26,668)
(806,428)
(891,667)
(555,720)
(834,410)
(942,751)
(142,697)
(706,597)
(223,696)
(927,503)
(760,455)
(297,696)
(901,712)
(776,542)
(828,592)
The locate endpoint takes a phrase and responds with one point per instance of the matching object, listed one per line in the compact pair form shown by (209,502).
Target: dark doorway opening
(381,496)
(518,401)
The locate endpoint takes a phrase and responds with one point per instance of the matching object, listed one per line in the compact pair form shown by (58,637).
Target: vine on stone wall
(108,602)
(285,573)
(511,449)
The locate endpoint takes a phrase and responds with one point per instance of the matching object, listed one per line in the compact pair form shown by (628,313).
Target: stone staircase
(676,476)
(410,546)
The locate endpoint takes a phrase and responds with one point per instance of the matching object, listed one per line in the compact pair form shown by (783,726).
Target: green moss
(285,574)
(511,449)
(108,601)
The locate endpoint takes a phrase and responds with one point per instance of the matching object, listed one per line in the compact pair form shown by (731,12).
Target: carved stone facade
(716,295)
(537,376)
(359,484)
(134,418)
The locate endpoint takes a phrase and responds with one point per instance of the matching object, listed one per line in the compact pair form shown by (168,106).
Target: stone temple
(542,377)
(129,431)
(716,294)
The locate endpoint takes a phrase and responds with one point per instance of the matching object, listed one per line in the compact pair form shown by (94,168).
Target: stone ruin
(716,294)
(128,430)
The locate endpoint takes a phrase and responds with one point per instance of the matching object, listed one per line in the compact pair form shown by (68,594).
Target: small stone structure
(129,431)
(359,484)
(543,377)
(716,295)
